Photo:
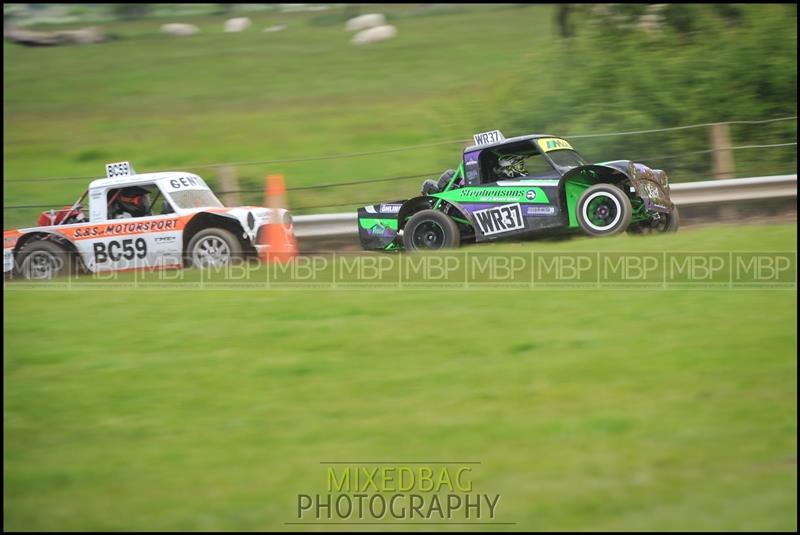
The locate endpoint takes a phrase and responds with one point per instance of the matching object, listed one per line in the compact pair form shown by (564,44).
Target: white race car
(151,220)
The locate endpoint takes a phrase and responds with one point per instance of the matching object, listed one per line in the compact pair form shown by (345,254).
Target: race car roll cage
(77,206)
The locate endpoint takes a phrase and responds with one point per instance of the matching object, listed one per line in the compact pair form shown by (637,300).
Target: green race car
(522,187)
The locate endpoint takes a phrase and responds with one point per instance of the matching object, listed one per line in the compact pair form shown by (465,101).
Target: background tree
(130,11)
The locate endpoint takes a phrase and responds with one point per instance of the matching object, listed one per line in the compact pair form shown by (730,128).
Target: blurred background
(134,406)
(287,88)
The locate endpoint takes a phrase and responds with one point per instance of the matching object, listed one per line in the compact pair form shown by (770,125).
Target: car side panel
(122,244)
(118,244)
(509,207)
(10,238)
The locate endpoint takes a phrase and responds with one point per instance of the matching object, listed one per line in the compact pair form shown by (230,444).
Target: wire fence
(415,147)
(374,180)
(335,184)
(419,175)
(685,127)
(709,151)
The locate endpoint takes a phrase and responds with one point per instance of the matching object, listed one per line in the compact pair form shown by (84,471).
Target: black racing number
(100,255)
(508,219)
(141,247)
(115,250)
(127,247)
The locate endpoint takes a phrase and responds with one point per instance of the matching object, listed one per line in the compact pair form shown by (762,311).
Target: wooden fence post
(722,162)
(722,157)
(229,185)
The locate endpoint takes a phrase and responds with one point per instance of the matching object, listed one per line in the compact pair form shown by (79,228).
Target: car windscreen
(195,198)
(564,160)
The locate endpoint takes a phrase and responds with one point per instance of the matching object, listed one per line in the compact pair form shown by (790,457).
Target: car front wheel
(213,247)
(604,210)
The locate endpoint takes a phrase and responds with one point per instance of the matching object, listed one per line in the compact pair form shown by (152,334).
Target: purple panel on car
(475,206)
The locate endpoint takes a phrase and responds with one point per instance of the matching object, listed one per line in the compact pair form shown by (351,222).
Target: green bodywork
(496,194)
(457,175)
(493,193)
(574,188)
(377,225)
(371,223)
(519,192)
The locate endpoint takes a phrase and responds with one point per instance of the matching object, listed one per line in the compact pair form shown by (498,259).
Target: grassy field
(164,102)
(587,409)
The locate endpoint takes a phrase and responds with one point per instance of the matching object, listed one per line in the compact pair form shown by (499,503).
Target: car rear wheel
(213,247)
(604,210)
(430,229)
(43,259)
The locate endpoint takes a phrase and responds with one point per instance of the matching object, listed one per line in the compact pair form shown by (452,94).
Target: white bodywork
(152,241)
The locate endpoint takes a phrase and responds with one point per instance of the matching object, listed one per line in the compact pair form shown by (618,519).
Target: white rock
(84,36)
(276,28)
(239,24)
(374,35)
(363,22)
(180,29)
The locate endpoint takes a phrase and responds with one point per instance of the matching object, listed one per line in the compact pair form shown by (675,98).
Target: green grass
(168,103)
(588,409)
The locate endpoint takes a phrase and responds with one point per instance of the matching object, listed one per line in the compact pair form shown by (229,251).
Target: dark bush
(130,11)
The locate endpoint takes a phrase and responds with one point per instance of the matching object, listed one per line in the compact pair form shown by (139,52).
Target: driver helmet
(511,166)
(135,201)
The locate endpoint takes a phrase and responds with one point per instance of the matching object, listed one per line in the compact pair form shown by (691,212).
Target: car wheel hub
(41,265)
(602,211)
(429,235)
(211,251)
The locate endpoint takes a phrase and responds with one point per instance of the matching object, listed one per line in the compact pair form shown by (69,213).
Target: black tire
(603,210)
(429,187)
(44,259)
(673,220)
(444,179)
(430,229)
(212,247)
(666,223)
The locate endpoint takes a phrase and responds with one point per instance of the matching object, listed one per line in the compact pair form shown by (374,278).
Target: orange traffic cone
(280,242)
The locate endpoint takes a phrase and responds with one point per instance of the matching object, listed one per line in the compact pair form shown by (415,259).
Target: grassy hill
(165,103)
